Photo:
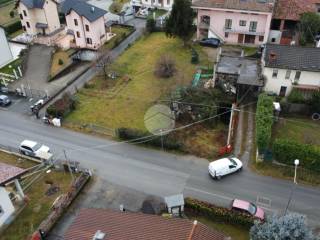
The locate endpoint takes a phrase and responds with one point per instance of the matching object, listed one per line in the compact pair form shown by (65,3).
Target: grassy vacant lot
(14,65)
(303,130)
(39,205)
(119,31)
(5,14)
(235,232)
(123,102)
(55,66)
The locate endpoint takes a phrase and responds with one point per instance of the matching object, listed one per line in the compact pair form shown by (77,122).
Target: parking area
(19,104)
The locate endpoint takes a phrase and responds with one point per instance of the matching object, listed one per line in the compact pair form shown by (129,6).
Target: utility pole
(231,123)
(70,170)
(161,138)
(296,163)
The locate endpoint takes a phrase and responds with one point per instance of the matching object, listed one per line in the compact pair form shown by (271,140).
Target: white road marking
(209,193)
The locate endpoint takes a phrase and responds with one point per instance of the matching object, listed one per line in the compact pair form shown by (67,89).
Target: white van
(224,166)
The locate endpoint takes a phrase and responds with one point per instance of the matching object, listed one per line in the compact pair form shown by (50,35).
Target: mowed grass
(303,130)
(5,14)
(122,102)
(55,66)
(39,204)
(119,31)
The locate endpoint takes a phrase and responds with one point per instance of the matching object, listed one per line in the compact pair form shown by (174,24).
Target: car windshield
(252,209)
(36,147)
(233,162)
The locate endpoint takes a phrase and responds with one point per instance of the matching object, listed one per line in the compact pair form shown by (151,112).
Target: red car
(248,207)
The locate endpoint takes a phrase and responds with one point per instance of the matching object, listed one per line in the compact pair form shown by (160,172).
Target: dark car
(4,100)
(210,42)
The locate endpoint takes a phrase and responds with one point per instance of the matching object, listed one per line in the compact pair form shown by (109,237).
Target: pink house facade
(87,24)
(234,21)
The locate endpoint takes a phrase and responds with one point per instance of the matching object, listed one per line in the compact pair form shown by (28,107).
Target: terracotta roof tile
(9,172)
(292,9)
(135,226)
(248,5)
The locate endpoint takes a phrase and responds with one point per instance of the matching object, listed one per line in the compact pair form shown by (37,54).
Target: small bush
(315,102)
(13,27)
(11,14)
(194,56)
(62,106)
(115,8)
(60,62)
(132,134)
(150,25)
(218,213)
(286,151)
(296,97)
(165,67)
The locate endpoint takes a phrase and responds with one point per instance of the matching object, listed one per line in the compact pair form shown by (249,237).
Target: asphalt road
(159,173)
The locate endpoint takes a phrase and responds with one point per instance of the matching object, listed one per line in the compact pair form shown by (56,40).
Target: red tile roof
(136,226)
(9,172)
(292,9)
(248,5)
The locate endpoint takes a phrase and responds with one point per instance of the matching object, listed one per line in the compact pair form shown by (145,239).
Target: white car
(33,149)
(224,166)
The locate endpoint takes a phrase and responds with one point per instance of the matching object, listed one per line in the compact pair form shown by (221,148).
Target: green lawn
(39,204)
(124,101)
(55,66)
(5,14)
(14,65)
(303,130)
(235,232)
(119,31)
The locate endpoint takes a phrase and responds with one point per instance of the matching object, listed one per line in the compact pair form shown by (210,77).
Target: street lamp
(296,163)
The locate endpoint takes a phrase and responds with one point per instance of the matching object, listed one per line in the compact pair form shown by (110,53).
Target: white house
(87,23)
(5,51)
(291,67)
(39,16)
(8,174)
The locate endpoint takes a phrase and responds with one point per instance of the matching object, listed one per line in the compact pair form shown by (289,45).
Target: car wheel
(218,177)
(240,169)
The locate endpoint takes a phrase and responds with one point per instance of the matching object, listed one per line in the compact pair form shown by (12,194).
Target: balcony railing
(248,32)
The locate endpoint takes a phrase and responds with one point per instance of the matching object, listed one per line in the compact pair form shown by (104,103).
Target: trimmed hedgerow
(264,120)
(142,137)
(218,213)
(286,151)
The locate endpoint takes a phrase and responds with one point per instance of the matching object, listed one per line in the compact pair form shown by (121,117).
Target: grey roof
(33,3)
(84,9)
(292,57)
(174,201)
(246,69)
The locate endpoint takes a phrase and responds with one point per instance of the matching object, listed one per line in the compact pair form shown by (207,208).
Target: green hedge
(218,213)
(286,151)
(264,120)
(131,134)
(13,27)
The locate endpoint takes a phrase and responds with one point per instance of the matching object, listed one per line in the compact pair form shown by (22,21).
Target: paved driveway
(37,70)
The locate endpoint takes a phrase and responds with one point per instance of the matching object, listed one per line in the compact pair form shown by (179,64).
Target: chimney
(272,56)
(99,235)
(92,9)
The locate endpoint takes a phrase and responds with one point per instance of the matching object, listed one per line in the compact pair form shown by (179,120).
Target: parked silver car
(4,100)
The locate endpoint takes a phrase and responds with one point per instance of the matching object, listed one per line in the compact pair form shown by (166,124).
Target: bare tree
(103,61)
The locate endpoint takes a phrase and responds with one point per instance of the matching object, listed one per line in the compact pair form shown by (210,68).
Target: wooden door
(240,38)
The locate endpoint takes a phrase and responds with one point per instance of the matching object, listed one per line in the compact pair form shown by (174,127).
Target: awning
(41,25)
